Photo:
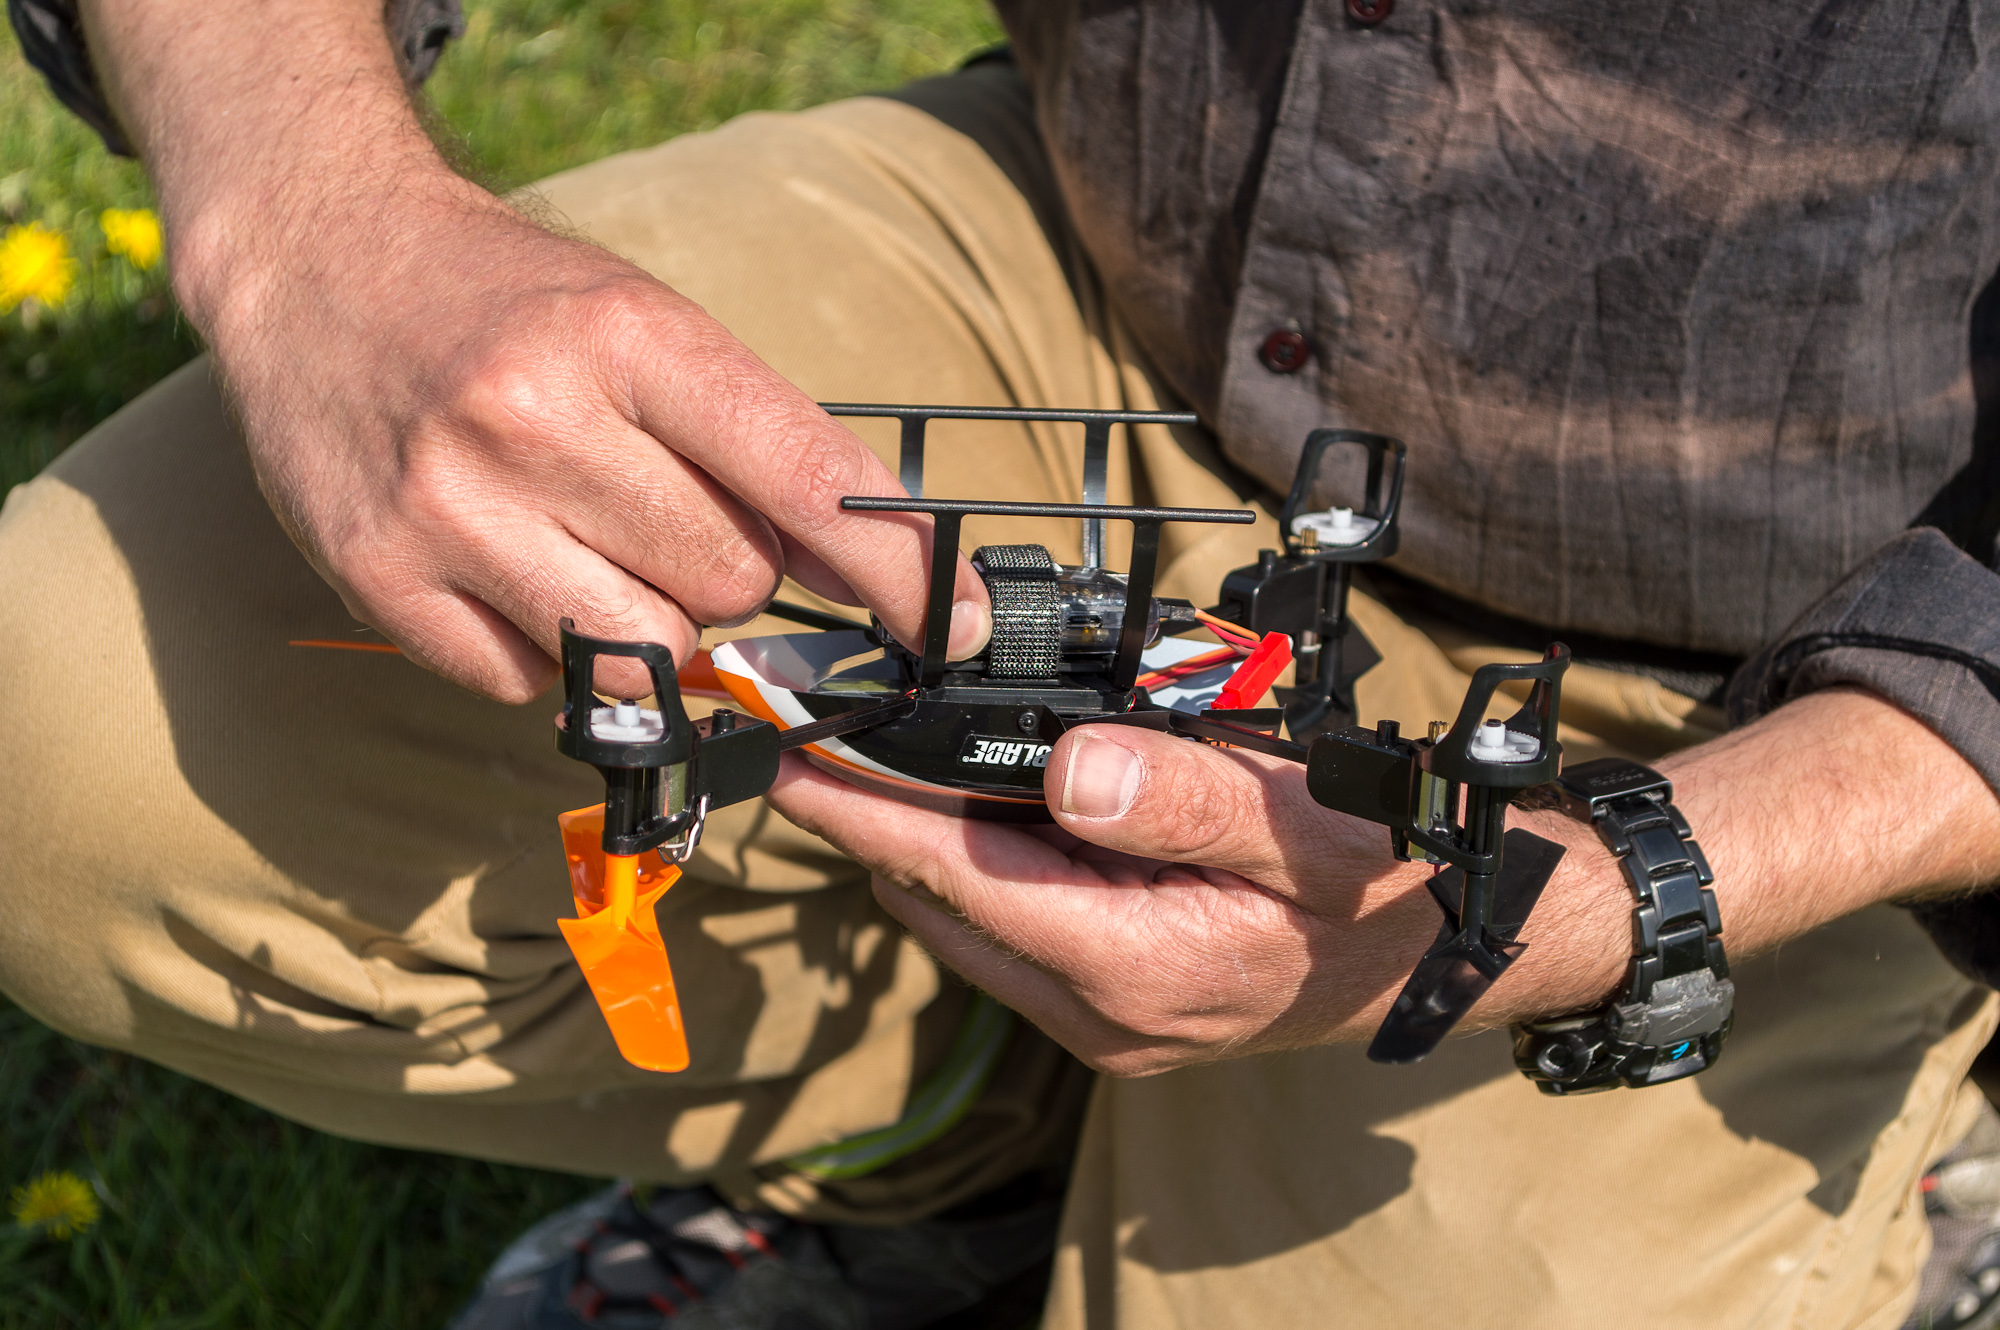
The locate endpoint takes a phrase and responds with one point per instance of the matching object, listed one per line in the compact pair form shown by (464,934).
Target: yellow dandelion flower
(34,265)
(133,232)
(61,1204)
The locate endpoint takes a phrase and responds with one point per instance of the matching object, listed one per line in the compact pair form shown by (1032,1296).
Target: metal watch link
(1678,1003)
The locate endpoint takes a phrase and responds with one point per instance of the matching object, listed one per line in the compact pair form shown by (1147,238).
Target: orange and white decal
(765,675)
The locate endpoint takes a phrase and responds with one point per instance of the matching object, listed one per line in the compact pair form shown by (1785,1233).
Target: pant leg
(1315,1187)
(328,882)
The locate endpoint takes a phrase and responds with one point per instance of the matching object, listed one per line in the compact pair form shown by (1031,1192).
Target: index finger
(722,408)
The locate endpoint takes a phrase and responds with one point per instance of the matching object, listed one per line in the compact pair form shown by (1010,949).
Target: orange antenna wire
(338,644)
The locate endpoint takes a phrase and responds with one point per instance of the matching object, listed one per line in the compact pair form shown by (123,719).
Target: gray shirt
(1669,301)
(1676,305)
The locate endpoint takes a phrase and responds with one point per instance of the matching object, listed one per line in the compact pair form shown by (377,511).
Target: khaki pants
(328,882)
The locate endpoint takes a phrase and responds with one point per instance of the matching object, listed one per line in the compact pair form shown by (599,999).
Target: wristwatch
(1678,1002)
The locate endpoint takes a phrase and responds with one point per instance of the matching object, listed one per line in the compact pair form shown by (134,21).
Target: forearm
(263,126)
(1832,803)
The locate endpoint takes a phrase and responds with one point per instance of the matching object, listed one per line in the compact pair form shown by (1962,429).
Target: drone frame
(1440,800)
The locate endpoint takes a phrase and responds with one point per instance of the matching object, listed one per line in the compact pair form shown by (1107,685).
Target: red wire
(1240,642)
(1233,634)
(1208,660)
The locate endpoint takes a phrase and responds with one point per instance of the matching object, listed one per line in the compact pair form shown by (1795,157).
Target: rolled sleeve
(52,40)
(1919,624)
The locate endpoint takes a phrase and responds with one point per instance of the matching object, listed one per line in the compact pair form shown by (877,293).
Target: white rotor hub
(1336,526)
(626,723)
(1494,742)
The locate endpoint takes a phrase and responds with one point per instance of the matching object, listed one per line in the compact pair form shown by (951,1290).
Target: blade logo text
(985,750)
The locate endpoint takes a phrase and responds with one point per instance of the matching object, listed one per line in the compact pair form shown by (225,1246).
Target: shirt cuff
(51,36)
(1918,623)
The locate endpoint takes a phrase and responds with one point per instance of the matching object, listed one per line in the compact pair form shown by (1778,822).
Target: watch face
(1611,778)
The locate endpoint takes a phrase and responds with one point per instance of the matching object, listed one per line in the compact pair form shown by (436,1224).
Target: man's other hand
(1194,903)
(1191,904)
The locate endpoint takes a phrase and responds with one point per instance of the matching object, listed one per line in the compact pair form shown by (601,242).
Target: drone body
(974,756)
(1072,645)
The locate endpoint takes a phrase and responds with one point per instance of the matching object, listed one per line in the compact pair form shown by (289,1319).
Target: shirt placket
(1287,317)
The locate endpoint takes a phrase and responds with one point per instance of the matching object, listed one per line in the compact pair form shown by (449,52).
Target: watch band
(1678,1003)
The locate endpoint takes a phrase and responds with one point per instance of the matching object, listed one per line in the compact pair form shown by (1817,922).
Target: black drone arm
(1444,799)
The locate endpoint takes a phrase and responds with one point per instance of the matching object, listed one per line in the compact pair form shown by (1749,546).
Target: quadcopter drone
(1071,645)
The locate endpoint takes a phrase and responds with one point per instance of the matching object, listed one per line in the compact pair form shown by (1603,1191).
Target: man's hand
(1191,904)
(1195,904)
(489,427)
(470,425)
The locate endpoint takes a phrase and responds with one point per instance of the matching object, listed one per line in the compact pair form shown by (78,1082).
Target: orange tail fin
(616,941)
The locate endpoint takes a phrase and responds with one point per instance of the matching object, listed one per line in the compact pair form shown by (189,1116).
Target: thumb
(1163,797)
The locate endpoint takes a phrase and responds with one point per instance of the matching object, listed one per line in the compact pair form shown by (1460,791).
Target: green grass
(63,370)
(539,85)
(218,1214)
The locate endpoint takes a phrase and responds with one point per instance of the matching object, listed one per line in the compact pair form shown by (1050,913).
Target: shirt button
(1370,12)
(1285,351)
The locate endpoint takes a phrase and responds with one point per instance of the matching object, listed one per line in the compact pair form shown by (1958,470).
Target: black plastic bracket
(947,514)
(914,421)
(643,777)
(579,665)
(1381,496)
(661,789)
(1301,589)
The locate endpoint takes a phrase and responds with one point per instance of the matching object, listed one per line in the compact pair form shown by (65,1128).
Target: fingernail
(1102,778)
(971,626)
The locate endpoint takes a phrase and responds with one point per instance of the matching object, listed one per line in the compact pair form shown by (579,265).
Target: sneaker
(1960,1286)
(646,1258)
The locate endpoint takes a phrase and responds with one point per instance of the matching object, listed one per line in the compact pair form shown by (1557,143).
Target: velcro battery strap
(1027,611)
